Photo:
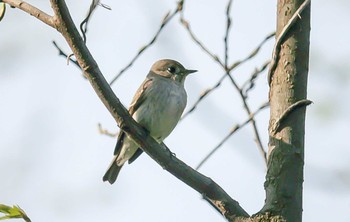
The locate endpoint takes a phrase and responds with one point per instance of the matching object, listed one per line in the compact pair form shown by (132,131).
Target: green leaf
(13,212)
(2,10)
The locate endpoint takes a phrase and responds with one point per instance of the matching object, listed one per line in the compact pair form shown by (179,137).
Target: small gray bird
(157,106)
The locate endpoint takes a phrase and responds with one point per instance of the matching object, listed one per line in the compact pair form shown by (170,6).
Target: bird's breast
(162,109)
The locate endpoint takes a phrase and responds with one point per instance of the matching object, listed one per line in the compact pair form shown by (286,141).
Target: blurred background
(52,156)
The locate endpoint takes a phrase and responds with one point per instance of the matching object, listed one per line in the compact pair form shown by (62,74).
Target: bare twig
(252,53)
(199,43)
(32,10)
(280,38)
(206,92)
(84,24)
(227,73)
(232,131)
(255,128)
(103,131)
(287,112)
(187,26)
(167,18)
(250,83)
(228,26)
(83,29)
(239,89)
(61,53)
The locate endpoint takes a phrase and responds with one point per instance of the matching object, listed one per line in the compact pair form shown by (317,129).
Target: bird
(157,106)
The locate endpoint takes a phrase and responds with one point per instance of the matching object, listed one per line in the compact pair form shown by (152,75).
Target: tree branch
(30,9)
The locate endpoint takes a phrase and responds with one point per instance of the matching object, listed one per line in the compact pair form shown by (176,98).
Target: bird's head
(172,69)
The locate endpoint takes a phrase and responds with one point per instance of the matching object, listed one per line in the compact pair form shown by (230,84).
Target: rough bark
(287,96)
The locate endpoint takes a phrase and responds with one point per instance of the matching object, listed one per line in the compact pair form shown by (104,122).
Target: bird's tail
(112,172)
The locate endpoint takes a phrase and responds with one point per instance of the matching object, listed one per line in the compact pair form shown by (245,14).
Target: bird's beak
(189,71)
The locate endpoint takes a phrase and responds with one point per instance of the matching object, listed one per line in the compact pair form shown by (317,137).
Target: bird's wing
(139,97)
(138,152)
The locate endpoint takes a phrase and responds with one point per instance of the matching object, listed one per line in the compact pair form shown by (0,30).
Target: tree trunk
(284,178)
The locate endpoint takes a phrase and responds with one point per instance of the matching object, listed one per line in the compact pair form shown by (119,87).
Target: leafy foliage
(13,212)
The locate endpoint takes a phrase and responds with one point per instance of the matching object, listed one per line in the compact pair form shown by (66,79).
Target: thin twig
(83,29)
(228,26)
(206,92)
(186,24)
(203,94)
(84,24)
(103,131)
(250,83)
(32,10)
(167,18)
(227,72)
(280,38)
(252,53)
(68,57)
(247,109)
(232,131)
(287,112)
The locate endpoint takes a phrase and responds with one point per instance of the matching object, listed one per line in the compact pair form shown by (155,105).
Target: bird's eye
(171,69)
